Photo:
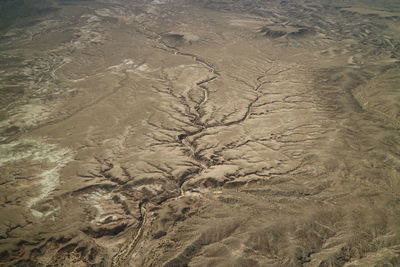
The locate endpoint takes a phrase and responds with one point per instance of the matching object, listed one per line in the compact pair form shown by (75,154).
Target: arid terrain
(199,133)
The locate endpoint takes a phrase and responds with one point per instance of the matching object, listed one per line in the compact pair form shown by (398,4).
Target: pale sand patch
(38,151)
(26,116)
(129,65)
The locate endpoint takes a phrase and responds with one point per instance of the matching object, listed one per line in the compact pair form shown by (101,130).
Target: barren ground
(200,133)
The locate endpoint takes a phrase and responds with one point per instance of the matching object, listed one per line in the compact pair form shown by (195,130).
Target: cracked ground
(200,133)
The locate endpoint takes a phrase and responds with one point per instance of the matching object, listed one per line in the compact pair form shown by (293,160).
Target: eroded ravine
(188,137)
